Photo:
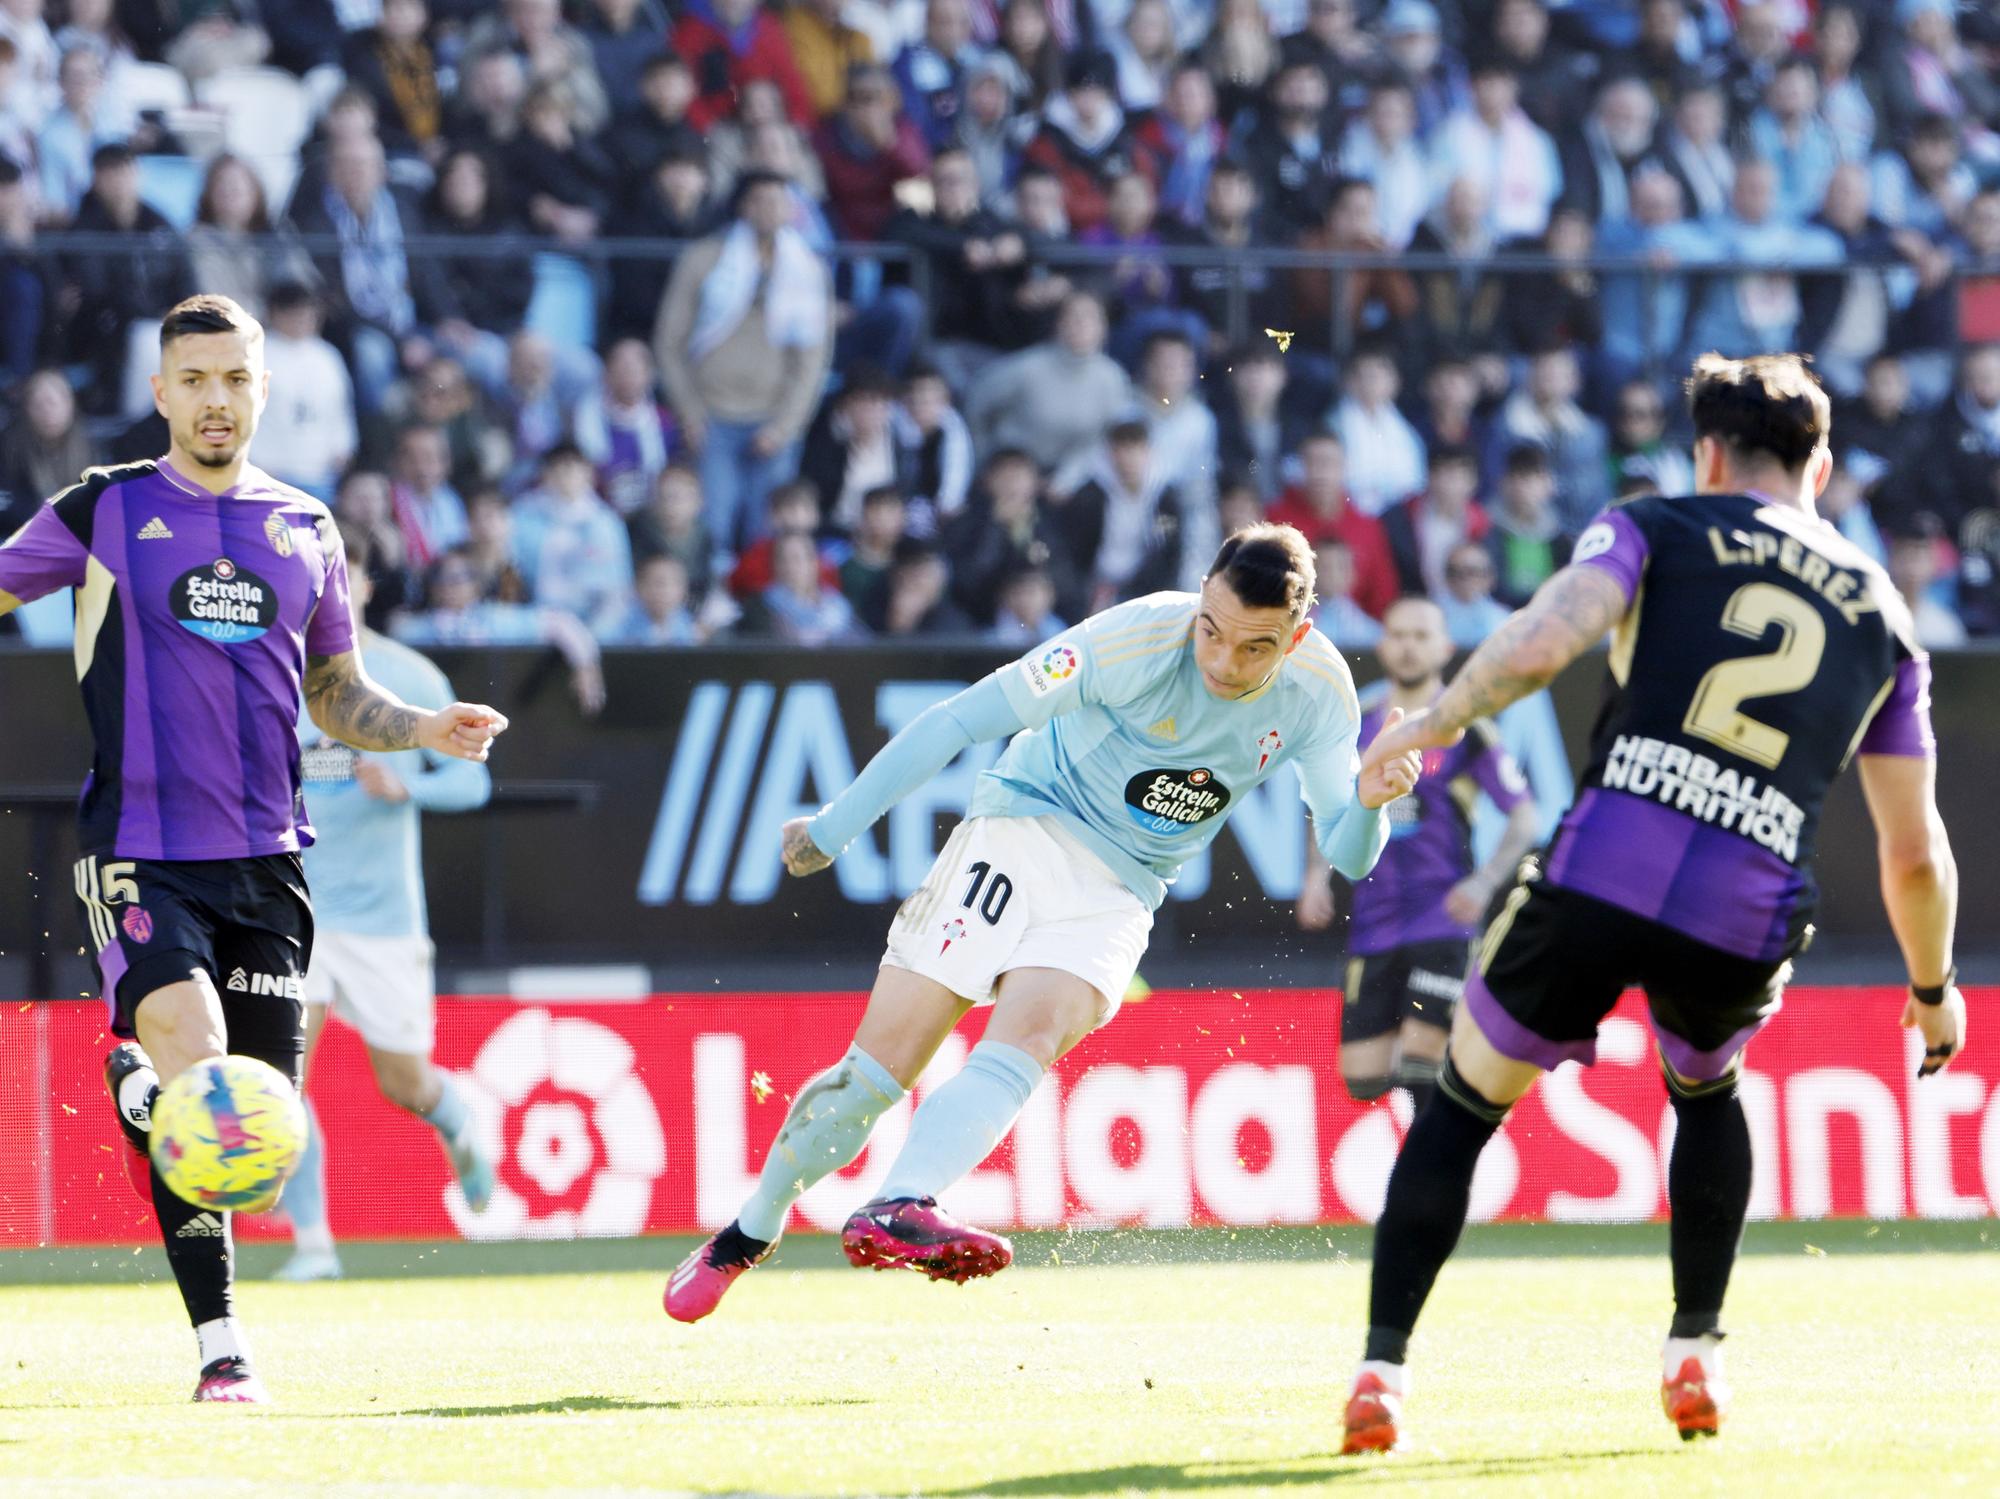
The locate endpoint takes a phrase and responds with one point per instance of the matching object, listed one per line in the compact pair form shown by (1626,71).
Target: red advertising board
(1192,1107)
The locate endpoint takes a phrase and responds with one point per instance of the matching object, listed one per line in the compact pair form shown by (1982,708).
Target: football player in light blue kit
(1135,735)
(371,948)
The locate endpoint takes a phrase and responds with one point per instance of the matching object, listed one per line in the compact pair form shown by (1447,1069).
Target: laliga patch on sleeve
(1052,670)
(1595,542)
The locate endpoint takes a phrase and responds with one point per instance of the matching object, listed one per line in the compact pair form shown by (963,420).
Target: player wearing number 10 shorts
(1134,736)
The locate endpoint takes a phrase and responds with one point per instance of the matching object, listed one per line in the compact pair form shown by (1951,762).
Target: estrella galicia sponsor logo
(1166,802)
(225,603)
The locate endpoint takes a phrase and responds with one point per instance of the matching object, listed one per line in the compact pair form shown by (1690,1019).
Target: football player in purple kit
(208,596)
(1413,918)
(1754,651)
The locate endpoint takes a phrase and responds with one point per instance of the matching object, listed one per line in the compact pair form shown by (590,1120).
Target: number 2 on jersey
(998,893)
(1715,713)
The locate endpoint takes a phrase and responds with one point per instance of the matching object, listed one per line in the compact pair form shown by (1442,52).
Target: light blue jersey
(1117,735)
(366,870)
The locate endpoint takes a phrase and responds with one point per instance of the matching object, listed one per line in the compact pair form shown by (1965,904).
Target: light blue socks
(962,1121)
(305,1193)
(829,1122)
(449,1115)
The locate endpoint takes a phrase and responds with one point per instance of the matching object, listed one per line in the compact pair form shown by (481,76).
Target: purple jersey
(195,613)
(1430,841)
(1761,651)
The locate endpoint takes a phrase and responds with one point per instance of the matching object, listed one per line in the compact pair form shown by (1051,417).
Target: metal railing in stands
(599,254)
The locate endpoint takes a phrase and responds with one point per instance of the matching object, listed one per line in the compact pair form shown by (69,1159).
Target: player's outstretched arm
(1567,616)
(349,706)
(1920,890)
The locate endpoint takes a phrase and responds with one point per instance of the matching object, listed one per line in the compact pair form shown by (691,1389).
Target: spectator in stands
(43,449)
(1555,79)
(935,445)
(868,149)
(363,507)
(1559,306)
(1230,222)
(1471,613)
(571,546)
(975,262)
(1142,291)
(1241,54)
(1142,45)
(1427,528)
(216,36)
(826,51)
(932,72)
(393,64)
(228,252)
(1256,428)
(1933,73)
(552,50)
(670,523)
(1335,612)
(1645,317)
(1544,413)
(83,121)
(799,607)
(1599,160)
(1085,142)
(851,448)
(1319,506)
(308,434)
(625,38)
(1878,435)
(537,405)
(1333,42)
(429,512)
(1845,318)
(565,179)
(1497,142)
(1641,444)
(1460,306)
(653,124)
(1527,541)
(35,58)
(623,428)
(763,136)
(1695,148)
(112,289)
(1028,40)
(1382,148)
(374,286)
(871,551)
(1027,613)
(743,340)
(481,300)
(1755,313)
(1181,427)
(987,127)
(489,547)
(1291,151)
(1003,530)
(1749,63)
(457,615)
(916,601)
(21,108)
(1843,506)
(97,26)
(671,204)
(1187,140)
(658,614)
(27,295)
(1959,465)
(1789,133)
(794,509)
(1451,416)
(486,112)
(1667,54)
(728,44)
(1385,456)
(1850,90)
(1415,49)
(443,395)
(1927,183)
(1381,301)
(1915,567)
(1054,400)
(1125,524)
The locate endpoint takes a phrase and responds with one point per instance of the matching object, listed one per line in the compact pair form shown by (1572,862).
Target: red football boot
(1375,1409)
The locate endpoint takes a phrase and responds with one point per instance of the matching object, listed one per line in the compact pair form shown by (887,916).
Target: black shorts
(1554,962)
(1419,981)
(246,923)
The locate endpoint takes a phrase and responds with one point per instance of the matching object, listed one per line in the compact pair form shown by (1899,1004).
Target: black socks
(1708,1189)
(199,1251)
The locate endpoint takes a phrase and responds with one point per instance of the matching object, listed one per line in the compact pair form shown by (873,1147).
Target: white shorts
(1020,892)
(382,986)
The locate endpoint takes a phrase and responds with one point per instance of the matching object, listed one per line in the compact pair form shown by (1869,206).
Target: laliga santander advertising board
(612,1119)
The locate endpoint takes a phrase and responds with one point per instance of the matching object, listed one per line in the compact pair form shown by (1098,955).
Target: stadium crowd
(753,436)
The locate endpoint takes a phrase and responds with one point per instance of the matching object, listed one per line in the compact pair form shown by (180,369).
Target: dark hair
(288,295)
(260,216)
(1770,404)
(1010,455)
(883,494)
(10,170)
(356,547)
(1127,431)
(1165,336)
(866,380)
(1526,458)
(114,154)
(794,489)
(208,313)
(565,451)
(1454,453)
(753,179)
(1268,567)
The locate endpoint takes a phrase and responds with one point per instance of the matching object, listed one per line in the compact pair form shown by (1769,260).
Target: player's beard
(209,457)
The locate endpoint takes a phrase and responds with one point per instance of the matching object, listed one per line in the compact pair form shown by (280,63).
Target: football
(227,1133)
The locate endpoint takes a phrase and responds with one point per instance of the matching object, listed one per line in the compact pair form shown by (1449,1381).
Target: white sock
(135,1096)
(221,1338)
(1706,1348)
(1395,1376)
(318,1240)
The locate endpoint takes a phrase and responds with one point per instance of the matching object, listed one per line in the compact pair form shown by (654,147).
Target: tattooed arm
(348,706)
(1566,617)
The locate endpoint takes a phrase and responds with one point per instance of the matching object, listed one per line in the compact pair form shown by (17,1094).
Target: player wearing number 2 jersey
(1135,735)
(1753,653)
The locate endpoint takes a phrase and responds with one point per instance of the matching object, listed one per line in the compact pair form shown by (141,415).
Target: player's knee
(180,1024)
(1367,1087)
(405,1081)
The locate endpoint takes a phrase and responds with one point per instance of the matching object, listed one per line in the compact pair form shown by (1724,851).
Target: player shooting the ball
(1135,734)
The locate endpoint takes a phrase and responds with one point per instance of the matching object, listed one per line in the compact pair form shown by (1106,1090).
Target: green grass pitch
(1866,1361)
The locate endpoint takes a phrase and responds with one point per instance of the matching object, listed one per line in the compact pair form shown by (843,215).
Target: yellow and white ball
(228,1133)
